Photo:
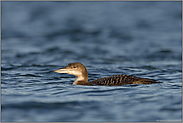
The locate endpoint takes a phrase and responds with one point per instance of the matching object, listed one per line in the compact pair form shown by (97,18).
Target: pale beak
(62,70)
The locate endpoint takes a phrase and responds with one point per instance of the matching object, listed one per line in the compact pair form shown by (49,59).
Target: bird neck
(81,79)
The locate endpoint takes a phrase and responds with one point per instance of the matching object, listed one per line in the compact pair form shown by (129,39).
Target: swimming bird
(81,74)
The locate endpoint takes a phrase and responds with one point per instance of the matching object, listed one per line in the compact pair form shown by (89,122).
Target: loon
(81,74)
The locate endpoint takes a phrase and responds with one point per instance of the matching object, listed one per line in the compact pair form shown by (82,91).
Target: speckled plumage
(118,80)
(79,70)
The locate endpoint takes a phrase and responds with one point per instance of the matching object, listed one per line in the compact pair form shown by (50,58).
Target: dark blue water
(134,38)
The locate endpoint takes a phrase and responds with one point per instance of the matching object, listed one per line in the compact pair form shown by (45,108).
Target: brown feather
(118,80)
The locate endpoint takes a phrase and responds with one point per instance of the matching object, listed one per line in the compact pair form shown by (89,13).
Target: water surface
(134,38)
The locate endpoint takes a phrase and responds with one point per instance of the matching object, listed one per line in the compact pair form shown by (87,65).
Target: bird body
(80,71)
